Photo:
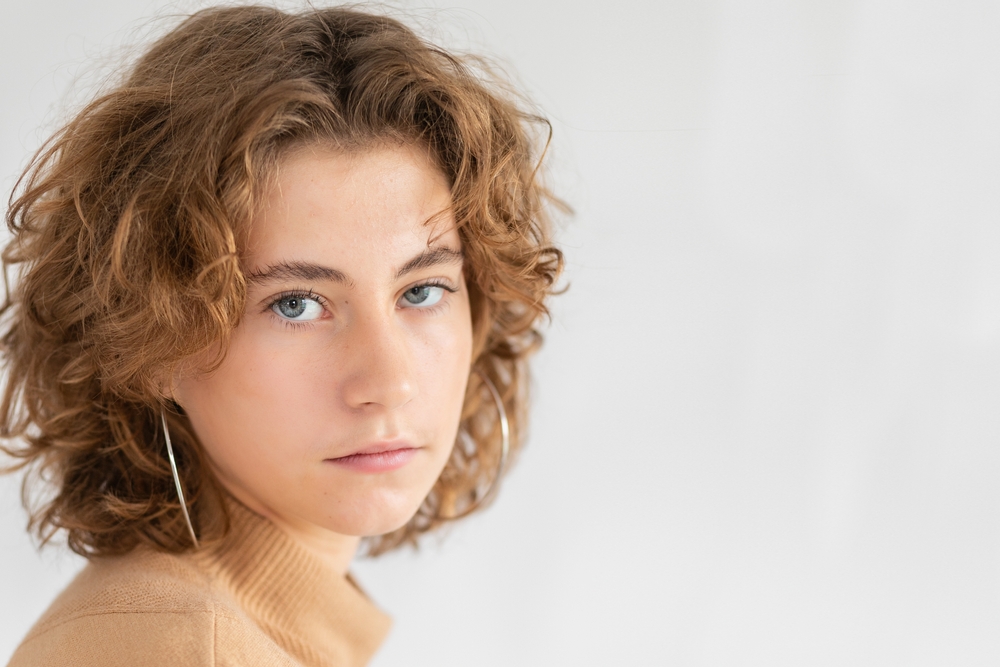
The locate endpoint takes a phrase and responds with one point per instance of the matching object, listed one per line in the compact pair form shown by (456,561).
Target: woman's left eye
(423,296)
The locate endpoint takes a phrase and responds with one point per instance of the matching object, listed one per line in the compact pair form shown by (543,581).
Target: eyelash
(292,294)
(432,283)
(309,294)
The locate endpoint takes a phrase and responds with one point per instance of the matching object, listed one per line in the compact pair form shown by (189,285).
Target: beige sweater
(258,599)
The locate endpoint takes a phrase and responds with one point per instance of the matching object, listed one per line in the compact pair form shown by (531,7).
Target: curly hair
(129,223)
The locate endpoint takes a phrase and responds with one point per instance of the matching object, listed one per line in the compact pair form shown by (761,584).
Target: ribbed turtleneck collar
(315,614)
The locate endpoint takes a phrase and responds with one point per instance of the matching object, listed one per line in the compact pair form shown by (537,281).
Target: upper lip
(379,448)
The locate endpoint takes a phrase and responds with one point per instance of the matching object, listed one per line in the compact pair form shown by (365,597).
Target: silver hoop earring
(177,479)
(504,448)
(504,433)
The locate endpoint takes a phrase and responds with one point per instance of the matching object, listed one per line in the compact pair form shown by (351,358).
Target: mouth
(383,457)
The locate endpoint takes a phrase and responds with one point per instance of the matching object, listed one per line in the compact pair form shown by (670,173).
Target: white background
(766,425)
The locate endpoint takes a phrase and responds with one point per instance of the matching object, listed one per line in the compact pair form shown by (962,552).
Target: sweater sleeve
(122,639)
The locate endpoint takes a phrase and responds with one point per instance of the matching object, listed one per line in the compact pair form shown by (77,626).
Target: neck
(335,550)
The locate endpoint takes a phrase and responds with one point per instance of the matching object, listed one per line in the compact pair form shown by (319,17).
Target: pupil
(418,294)
(292,307)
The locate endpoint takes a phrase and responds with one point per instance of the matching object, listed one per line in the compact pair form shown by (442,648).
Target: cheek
(446,361)
(256,404)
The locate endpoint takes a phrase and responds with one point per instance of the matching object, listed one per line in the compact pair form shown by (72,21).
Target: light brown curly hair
(128,228)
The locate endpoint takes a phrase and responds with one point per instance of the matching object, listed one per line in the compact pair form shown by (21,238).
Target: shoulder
(142,608)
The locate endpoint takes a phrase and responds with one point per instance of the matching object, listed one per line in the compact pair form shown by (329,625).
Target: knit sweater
(258,598)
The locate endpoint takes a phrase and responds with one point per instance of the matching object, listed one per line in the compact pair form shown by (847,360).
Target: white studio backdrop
(766,427)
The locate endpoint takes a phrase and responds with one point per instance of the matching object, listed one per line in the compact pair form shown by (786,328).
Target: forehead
(325,204)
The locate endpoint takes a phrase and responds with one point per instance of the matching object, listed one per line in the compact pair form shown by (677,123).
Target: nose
(380,364)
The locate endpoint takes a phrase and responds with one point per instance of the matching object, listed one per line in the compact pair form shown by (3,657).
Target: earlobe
(168,387)
(175,397)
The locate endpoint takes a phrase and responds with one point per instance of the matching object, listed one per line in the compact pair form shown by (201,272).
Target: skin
(362,364)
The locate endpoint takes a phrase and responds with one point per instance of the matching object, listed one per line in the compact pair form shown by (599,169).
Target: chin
(377,516)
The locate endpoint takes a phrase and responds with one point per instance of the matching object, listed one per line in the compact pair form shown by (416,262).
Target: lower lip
(380,462)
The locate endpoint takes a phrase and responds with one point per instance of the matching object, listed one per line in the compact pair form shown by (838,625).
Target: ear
(168,385)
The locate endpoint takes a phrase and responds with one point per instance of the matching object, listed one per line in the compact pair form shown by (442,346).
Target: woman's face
(339,400)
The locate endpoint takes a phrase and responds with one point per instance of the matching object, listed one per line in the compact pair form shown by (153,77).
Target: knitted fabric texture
(258,598)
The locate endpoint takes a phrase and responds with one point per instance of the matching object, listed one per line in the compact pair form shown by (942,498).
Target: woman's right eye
(298,308)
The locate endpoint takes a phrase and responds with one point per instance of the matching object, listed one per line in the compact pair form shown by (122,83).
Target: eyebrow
(301,270)
(310,271)
(432,257)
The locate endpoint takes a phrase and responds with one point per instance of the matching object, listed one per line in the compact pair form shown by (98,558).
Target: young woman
(275,295)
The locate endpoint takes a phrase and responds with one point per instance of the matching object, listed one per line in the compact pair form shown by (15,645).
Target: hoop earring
(504,448)
(177,479)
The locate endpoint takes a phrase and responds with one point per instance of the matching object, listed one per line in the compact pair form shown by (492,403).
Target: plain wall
(766,427)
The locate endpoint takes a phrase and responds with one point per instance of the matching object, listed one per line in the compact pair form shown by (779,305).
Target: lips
(379,457)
